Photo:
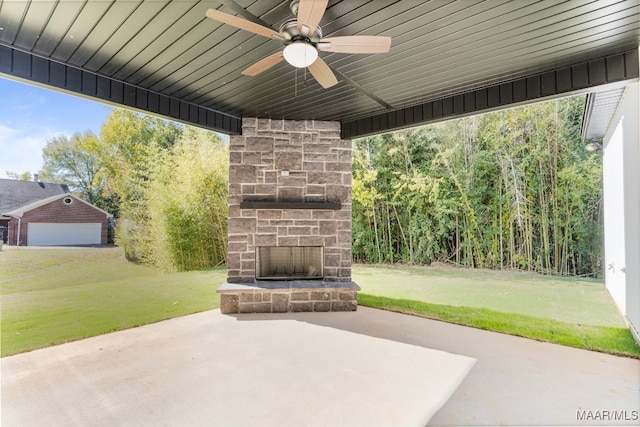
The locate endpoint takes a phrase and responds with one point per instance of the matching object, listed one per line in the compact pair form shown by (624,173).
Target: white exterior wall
(614,246)
(621,168)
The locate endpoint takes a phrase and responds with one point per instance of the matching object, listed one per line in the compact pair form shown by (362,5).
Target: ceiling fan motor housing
(294,5)
(291,33)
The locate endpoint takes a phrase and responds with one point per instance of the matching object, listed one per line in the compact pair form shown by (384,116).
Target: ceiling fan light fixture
(300,54)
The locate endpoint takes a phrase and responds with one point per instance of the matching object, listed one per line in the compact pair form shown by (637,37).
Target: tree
(24,176)
(130,147)
(165,183)
(510,189)
(187,200)
(129,143)
(74,161)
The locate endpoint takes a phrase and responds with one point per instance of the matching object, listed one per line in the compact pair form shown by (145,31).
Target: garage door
(55,234)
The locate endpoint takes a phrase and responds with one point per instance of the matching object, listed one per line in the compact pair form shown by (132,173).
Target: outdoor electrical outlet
(284,173)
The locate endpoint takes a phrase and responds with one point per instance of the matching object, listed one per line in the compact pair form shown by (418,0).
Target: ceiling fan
(302,38)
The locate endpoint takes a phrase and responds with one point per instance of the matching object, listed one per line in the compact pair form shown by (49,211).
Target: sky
(30,116)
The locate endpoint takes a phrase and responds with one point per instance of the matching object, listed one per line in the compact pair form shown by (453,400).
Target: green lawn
(574,312)
(583,301)
(50,296)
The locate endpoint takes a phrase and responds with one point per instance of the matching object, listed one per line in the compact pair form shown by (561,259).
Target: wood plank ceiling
(440,48)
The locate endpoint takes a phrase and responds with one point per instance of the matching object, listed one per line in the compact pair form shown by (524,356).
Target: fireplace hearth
(289,223)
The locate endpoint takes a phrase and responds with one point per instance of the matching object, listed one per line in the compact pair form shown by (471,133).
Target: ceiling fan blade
(242,24)
(263,64)
(356,44)
(310,13)
(323,74)
(242,12)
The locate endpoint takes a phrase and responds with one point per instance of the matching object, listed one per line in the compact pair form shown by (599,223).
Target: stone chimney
(35,177)
(289,219)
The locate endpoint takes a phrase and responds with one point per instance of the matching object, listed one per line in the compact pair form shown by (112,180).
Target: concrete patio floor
(367,368)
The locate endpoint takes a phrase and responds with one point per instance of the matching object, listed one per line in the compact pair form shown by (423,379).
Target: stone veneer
(292,162)
(283,297)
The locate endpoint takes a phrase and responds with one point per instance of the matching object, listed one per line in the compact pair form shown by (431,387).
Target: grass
(605,339)
(567,311)
(51,296)
(571,300)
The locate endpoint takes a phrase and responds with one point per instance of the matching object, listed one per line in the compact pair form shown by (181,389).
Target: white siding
(622,162)
(614,247)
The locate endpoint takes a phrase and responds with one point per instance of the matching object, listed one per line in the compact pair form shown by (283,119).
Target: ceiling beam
(25,66)
(537,87)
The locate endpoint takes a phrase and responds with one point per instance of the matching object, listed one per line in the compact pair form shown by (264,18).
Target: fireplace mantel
(332,206)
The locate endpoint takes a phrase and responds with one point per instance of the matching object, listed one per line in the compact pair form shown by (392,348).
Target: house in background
(34,213)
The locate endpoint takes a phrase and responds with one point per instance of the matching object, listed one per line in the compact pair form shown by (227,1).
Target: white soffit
(603,107)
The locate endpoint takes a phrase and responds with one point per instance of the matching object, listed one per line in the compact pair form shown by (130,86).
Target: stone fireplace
(289,219)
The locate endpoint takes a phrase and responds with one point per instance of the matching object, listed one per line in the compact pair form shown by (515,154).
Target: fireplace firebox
(288,262)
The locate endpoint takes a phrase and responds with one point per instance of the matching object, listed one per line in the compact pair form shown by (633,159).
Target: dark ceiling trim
(26,66)
(581,76)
